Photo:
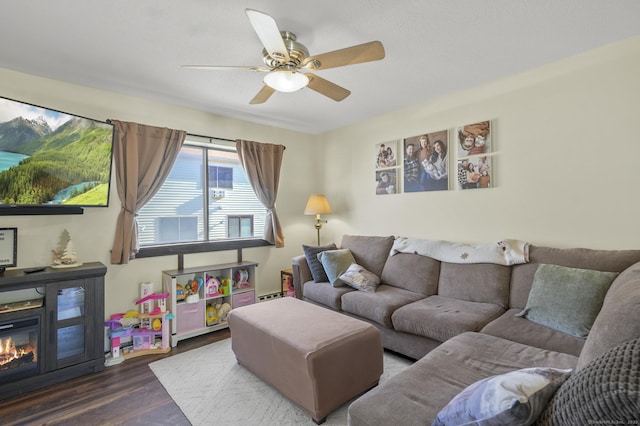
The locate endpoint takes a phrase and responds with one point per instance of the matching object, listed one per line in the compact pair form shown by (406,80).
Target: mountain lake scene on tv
(53,158)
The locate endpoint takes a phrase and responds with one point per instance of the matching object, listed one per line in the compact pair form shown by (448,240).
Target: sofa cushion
(510,327)
(359,278)
(613,325)
(311,254)
(567,299)
(412,272)
(441,318)
(481,282)
(369,251)
(325,294)
(378,306)
(416,395)
(335,262)
(599,260)
(516,398)
(605,391)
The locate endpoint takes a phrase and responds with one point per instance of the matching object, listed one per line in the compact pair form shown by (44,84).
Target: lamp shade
(317,204)
(286,80)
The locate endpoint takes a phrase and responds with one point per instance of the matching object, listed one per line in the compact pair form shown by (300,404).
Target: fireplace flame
(9,352)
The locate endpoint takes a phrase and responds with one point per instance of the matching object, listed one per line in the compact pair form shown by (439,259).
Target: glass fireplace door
(19,347)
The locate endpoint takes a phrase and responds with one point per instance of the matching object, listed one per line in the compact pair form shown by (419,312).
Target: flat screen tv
(52,162)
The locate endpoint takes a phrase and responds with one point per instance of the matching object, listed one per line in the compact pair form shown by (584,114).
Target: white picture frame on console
(8,248)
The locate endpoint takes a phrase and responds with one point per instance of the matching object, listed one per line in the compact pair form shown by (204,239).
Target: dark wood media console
(56,335)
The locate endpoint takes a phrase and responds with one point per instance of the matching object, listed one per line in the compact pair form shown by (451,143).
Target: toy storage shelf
(196,314)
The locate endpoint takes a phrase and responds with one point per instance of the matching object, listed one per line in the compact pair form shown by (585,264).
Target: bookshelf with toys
(202,297)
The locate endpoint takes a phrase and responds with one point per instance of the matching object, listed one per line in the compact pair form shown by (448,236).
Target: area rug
(211,388)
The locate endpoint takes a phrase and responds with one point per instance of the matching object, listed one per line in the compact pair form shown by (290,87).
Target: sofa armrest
(301,273)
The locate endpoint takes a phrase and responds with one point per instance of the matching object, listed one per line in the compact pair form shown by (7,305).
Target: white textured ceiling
(433,47)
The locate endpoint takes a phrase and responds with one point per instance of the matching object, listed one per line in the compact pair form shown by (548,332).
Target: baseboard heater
(265,297)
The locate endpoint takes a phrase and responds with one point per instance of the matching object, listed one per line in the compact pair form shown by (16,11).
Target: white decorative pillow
(516,398)
(359,278)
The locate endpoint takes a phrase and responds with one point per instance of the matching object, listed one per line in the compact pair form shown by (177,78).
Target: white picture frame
(8,248)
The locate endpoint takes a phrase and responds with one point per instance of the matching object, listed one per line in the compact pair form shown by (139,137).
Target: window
(206,198)
(240,226)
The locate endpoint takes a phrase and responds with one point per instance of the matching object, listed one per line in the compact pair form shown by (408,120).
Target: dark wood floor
(123,394)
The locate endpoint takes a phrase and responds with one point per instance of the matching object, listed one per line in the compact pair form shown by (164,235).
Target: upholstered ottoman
(316,357)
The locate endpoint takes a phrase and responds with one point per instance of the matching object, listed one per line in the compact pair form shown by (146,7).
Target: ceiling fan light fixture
(286,80)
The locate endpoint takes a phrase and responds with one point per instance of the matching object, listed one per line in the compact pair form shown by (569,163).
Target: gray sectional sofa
(459,322)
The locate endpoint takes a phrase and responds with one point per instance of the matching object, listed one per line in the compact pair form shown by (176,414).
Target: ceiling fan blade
(262,95)
(227,68)
(367,52)
(327,88)
(269,34)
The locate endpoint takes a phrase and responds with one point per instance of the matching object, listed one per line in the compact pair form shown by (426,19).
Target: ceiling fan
(285,58)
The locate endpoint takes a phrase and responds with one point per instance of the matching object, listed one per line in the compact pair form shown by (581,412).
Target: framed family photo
(386,155)
(474,172)
(426,162)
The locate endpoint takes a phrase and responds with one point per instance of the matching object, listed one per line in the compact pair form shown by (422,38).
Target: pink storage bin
(243,299)
(190,316)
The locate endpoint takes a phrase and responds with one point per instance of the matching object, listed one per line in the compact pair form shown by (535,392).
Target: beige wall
(566,150)
(93,231)
(565,154)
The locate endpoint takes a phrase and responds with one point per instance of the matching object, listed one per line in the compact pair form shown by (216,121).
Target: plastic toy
(226,282)
(161,302)
(212,315)
(147,340)
(211,286)
(180,295)
(156,324)
(191,287)
(242,278)
(224,287)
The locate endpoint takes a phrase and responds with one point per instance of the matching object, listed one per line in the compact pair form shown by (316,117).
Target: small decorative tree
(65,252)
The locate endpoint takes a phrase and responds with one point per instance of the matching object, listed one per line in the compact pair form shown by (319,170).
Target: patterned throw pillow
(515,398)
(360,279)
(311,254)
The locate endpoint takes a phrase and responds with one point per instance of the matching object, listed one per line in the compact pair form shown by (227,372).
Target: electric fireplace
(51,326)
(19,347)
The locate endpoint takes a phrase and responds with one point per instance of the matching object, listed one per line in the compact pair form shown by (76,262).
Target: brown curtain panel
(143,157)
(261,163)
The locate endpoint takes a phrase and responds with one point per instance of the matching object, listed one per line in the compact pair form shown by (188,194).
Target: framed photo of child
(474,139)
(386,182)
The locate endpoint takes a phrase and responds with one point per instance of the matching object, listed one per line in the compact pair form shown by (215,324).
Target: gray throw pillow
(516,398)
(311,254)
(335,262)
(606,391)
(567,299)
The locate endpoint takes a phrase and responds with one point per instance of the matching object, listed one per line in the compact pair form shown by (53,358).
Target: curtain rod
(192,134)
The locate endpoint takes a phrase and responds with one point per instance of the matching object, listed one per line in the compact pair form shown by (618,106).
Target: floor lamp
(318,205)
